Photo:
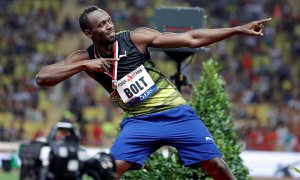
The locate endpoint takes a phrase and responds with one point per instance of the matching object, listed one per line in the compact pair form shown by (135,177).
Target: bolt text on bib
(135,87)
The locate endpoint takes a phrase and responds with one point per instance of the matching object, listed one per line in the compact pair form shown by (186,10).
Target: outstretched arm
(76,62)
(144,37)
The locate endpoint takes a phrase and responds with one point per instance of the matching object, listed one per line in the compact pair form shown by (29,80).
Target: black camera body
(62,157)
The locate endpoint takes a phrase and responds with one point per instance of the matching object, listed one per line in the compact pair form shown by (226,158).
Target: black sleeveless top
(166,96)
(127,64)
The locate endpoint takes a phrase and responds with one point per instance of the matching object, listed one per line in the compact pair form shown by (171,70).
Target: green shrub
(212,104)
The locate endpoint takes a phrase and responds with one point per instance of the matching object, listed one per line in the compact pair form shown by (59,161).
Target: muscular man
(157,113)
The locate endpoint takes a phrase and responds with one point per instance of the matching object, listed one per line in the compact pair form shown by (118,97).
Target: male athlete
(158,115)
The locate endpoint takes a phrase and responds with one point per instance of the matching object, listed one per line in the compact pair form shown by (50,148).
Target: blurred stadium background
(262,74)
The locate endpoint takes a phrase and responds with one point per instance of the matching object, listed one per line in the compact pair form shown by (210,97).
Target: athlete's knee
(217,169)
(220,165)
(122,167)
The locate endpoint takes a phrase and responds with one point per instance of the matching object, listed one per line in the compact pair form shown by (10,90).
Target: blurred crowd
(261,73)
(28,30)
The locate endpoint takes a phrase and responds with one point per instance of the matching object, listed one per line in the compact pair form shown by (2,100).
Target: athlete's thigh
(193,141)
(135,142)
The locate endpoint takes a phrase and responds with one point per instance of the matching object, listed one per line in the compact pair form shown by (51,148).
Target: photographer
(62,157)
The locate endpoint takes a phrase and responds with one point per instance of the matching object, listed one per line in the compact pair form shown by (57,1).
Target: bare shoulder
(144,30)
(143,33)
(78,55)
(143,37)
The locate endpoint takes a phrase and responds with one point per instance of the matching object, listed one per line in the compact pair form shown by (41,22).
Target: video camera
(62,157)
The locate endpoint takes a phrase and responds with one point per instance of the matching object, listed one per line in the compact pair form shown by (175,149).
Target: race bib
(136,86)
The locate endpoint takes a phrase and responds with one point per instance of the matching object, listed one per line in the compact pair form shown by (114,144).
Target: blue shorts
(178,127)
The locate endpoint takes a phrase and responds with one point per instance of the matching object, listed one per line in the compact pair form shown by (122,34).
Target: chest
(131,62)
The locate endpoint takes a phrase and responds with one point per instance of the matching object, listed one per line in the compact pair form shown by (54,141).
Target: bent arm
(55,73)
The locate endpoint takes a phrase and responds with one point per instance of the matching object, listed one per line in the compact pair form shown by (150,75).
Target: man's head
(97,25)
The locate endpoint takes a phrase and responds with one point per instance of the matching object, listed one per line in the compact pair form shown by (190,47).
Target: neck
(105,50)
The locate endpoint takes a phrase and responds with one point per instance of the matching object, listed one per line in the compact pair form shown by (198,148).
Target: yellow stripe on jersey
(166,97)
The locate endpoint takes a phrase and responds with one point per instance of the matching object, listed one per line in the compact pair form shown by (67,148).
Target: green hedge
(212,104)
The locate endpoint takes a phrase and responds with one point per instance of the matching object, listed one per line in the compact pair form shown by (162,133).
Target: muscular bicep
(145,37)
(76,56)
(53,74)
(79,55)
(171,40)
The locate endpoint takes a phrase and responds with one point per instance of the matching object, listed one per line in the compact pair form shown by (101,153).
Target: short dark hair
(83,18)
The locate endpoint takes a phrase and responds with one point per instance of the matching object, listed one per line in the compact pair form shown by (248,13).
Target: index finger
(110,59)
(264,20)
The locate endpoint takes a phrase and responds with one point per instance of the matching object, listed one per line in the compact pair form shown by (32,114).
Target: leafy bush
(212,104)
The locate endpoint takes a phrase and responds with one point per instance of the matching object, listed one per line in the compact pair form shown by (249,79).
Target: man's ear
(88,33)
